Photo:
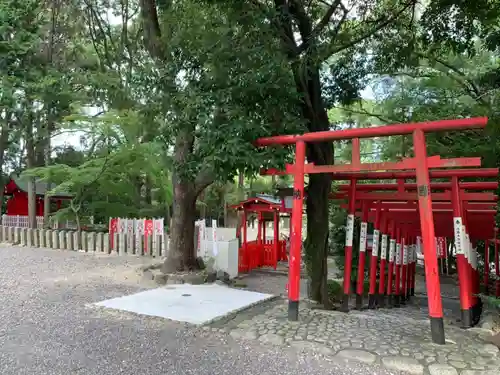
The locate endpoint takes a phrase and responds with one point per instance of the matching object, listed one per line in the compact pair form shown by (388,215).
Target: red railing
(256,254)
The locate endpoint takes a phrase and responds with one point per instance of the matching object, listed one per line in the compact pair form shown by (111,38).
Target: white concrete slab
(195,304)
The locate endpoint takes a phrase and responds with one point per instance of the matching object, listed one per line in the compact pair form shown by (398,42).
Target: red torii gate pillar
(428,238)
(296,235)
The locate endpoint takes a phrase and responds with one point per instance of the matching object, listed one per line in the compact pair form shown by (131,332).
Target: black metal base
(381,301)
(390,301)
(372,301)
(412,292)
(397,301)
(477,310)
(466,317)
(437,331)
(344,307)
(359,302)
(402,300)
(293,310)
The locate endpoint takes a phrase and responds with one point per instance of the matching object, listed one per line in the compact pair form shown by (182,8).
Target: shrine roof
(260,199)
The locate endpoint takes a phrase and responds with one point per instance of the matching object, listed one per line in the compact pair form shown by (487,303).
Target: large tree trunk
(307,80)
(30,163)
(181,254)
(46,198)
(4,139)
(316,245)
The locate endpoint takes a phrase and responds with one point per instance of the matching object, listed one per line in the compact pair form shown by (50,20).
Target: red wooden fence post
(372,293)
(427,227)
(383,262)
(296,235)
(397,268)
(471,274)
(418,250)
(411,249)
(404,268)
(462,266)
(390,271)
(497,266)
(348,246)
(362,255)
(276,248)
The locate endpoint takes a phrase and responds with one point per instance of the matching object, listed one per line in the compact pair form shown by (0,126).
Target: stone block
(31,234)
(17,235)
(99,247)
(211,277)
(91,241)
(105,243)
(148,276)
(494,340)
(62,240)
(10,234)
(194,279)
(48,238)
(70,245)
(403,364)
(357,355)
(173,279)
(77,241)
(224,277)
(442,369)
(36,237)
(55,240)
(42,237)
(161,279)
(121,244)
(84,244)
(24,236)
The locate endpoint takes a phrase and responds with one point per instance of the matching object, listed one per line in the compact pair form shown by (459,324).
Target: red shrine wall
(17,204)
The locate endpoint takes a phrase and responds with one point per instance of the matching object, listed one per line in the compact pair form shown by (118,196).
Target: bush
(335,290)
(491,301)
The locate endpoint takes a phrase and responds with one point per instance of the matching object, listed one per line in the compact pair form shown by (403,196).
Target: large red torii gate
(420,163)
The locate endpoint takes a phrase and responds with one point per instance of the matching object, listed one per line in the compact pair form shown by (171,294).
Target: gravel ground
(48,327)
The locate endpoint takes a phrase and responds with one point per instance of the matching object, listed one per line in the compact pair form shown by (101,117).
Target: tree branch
(382,118)
(306,43)
(284,27)
(204,178)
(380,25)
(152,31)
(463,80)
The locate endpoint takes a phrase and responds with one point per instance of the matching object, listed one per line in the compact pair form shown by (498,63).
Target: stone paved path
(398,339)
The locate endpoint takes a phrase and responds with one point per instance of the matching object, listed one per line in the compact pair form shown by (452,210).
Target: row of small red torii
(454,213)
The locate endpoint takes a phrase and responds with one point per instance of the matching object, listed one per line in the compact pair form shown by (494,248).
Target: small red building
(16,190)
(263,252)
